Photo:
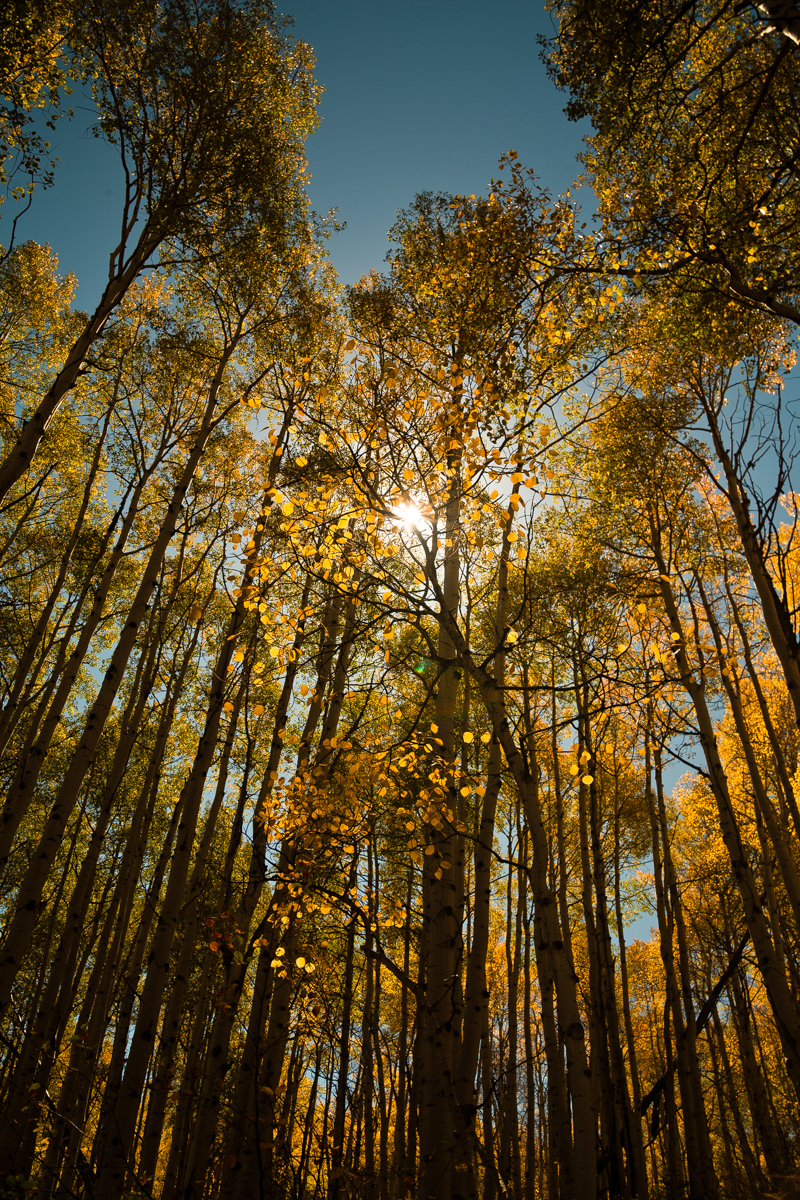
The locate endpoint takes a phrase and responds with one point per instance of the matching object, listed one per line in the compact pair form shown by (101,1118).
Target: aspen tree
(228,168)
(117,1153)
(29,896)
(692,106)
(54,1005)
(220,1034)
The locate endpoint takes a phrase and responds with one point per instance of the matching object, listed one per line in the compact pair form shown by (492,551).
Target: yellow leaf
(259,710)
(274,651)
(469,737)
(587,779)
(486,738)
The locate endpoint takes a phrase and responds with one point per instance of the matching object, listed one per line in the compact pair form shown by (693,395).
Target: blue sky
(423,96)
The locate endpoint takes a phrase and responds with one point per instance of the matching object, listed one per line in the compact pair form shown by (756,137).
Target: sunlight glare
(408,515)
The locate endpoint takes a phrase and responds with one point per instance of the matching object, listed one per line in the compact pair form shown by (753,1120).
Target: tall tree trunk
(335,1181)
(29,897)
(780,998)
(701,1178)
(476,990)
(441,1001)
(18,460)
(60,686)
(10,711)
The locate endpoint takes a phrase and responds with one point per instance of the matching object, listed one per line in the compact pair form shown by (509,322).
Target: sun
(409,515)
